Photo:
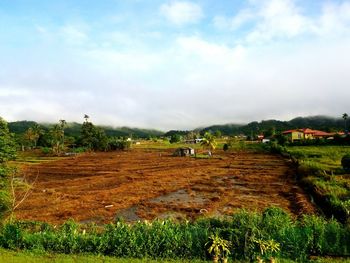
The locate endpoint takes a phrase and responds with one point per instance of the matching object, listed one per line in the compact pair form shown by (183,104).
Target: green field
(10,256)
(320,170)
(327,158)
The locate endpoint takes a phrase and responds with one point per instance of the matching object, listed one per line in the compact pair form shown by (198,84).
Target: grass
(34,157)
(327,157)
(322,172)
(10,256)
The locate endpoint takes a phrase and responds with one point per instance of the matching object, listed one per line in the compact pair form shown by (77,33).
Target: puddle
(93,220)
(128,214)
(181,196)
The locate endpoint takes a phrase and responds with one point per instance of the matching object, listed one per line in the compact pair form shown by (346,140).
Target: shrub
(271,233)
(119,144)
(345,162)
(46,150)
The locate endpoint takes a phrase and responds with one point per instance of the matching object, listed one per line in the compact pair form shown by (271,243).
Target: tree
(33,134)
(345,117)
(270,132)
(217,134)
(38,131)
(7,152)
(62,124)
(7,145)
(92,137)
(175,138)
(56,135)
(30,137)
(209,142)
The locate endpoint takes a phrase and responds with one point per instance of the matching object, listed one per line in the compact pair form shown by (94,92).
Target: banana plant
(218,248)
(267,247)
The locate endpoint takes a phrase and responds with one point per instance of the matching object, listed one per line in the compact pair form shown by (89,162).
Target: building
(306,134)
(184,151)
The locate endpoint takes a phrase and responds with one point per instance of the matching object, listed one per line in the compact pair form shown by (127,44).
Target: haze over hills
(73,129)
(325,123)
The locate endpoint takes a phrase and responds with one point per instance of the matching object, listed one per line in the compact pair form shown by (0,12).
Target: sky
(173,64)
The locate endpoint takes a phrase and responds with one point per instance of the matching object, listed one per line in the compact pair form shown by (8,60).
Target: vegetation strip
(320,171)
(246,234)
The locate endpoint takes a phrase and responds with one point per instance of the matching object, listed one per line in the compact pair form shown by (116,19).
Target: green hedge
(298,239)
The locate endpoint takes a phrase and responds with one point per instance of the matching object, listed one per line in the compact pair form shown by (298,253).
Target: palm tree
(56,133)
(209,142)
(63,124)
(86,117)
(345,117)
(36,129)
(31,136)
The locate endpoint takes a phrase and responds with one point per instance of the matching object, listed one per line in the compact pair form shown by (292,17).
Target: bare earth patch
(149,184)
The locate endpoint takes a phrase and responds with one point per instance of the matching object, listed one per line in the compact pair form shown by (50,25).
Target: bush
(175,138)
(274,147)
(345,162)
(297,239)
(79,150)
(119,144)
(46,150)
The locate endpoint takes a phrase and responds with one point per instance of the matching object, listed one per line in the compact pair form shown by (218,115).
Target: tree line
(61,137)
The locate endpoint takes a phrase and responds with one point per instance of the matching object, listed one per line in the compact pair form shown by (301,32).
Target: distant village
(291,135)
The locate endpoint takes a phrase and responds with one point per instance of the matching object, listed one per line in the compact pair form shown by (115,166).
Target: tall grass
(320,171)
(298,239)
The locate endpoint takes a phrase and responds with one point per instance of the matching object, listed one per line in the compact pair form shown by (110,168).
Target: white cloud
(279,18)
(73,34)
(284,19)
(236,22)
(181,12)
(334,20)
(148,76)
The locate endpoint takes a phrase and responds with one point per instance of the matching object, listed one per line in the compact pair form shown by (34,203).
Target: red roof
(290,131)
(309,131)
(322,133)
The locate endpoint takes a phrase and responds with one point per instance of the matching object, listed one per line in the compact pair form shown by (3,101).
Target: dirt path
(141,184)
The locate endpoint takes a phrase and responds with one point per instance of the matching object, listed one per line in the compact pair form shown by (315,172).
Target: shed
(184,151)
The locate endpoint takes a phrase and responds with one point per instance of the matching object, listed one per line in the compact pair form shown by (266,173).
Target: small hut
(184,151)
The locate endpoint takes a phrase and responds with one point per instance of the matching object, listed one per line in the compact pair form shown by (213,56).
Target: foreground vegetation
(272,233)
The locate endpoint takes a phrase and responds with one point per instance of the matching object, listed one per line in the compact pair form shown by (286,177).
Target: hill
(324,123)
(73,129)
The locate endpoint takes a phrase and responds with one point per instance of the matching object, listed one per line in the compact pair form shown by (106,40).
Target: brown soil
(149,184)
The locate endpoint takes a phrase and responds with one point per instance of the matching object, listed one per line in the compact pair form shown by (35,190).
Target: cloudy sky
(173,64)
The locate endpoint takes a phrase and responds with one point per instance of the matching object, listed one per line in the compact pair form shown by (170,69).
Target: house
(194,141)
(260,137)
(184,151)
(198,140)
(305,134)
(266,140)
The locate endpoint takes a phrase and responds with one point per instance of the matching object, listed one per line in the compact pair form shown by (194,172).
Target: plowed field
(149,184)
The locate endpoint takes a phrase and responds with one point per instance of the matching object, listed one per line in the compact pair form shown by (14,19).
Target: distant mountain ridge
(73,129)
(324,123)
